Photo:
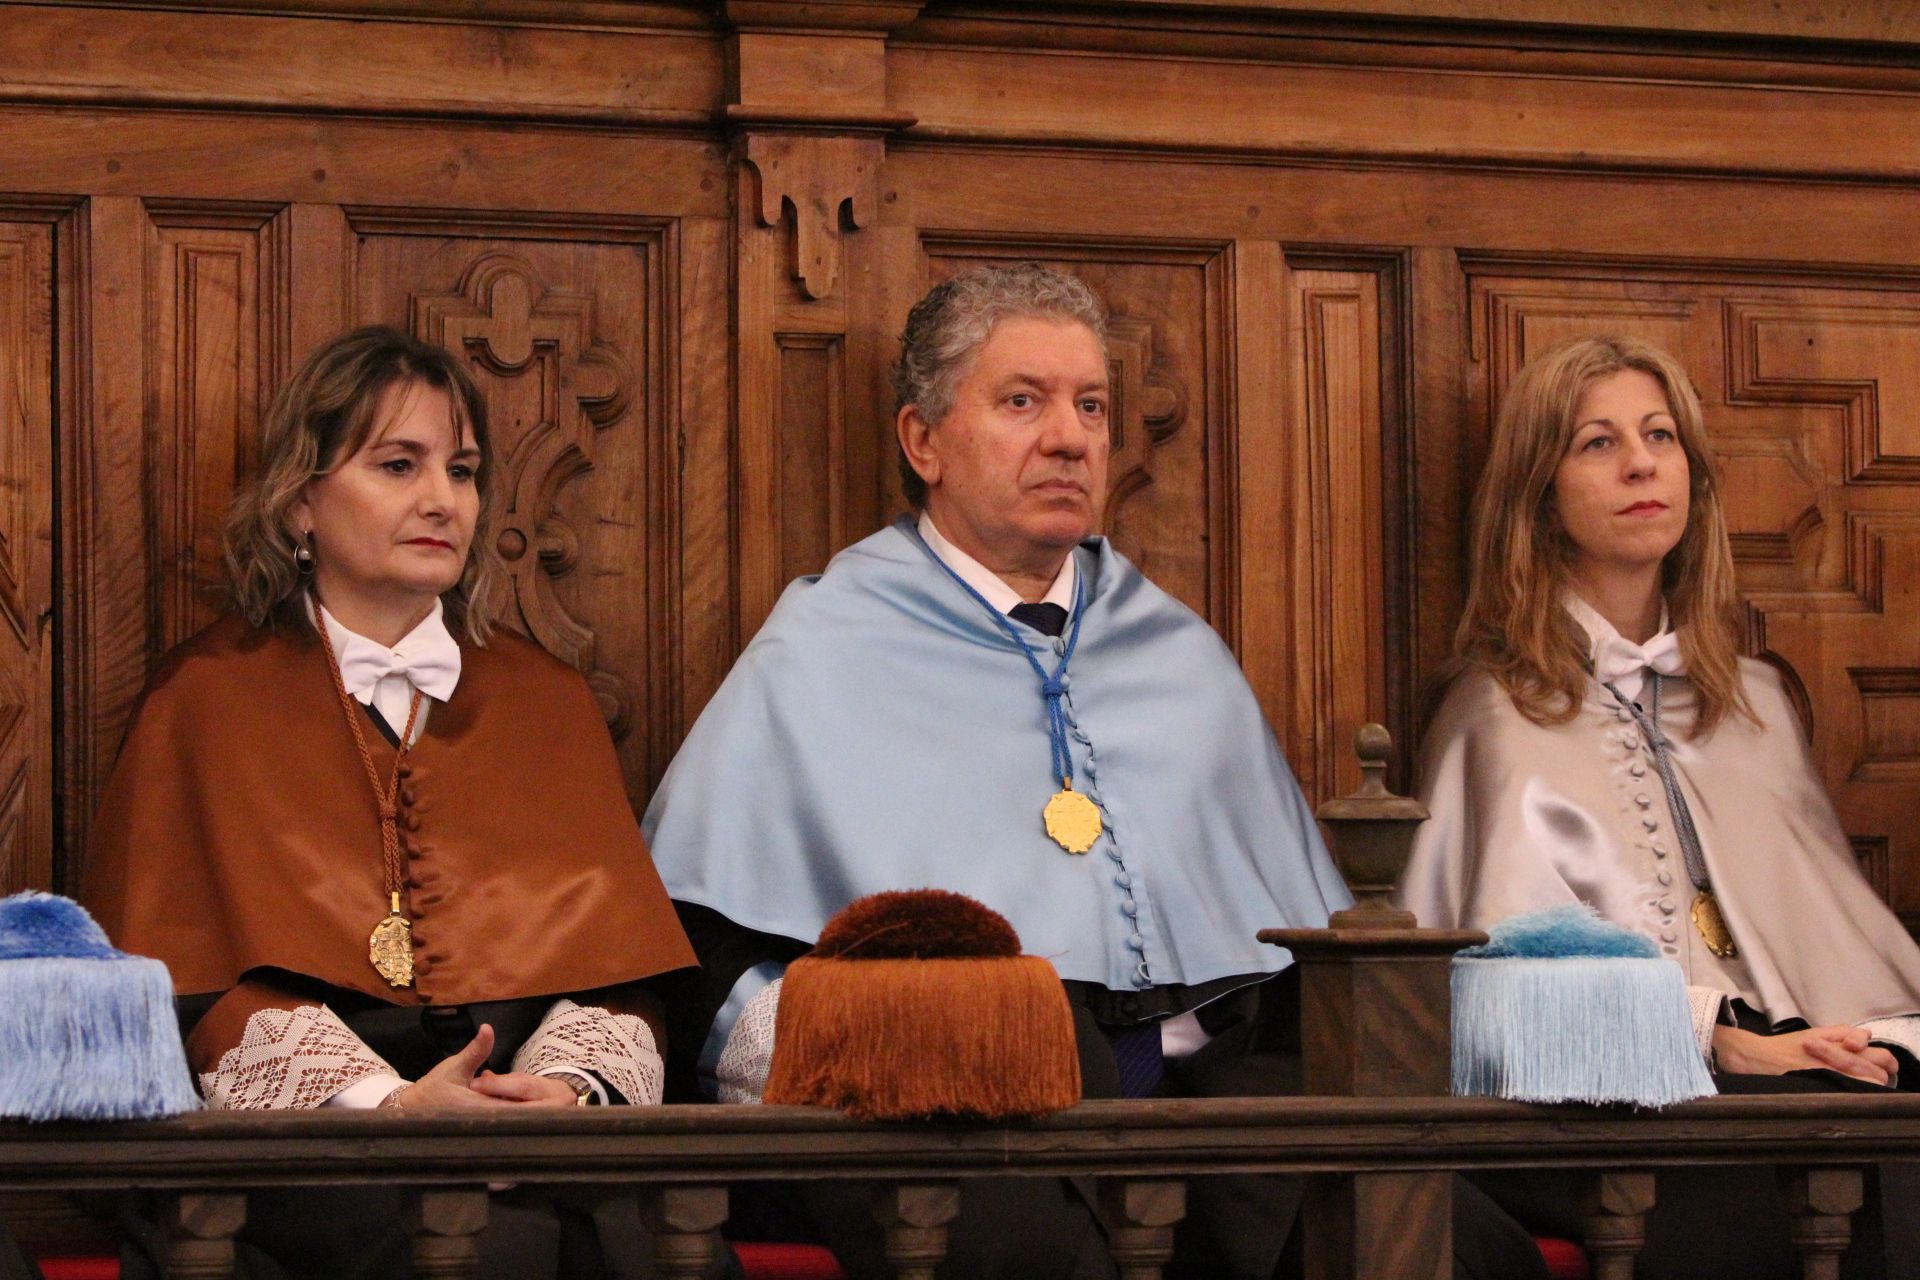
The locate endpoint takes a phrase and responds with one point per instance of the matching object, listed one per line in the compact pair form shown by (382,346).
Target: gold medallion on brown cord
(390,945)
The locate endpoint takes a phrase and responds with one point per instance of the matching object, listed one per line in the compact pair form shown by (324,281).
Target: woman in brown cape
(384,846)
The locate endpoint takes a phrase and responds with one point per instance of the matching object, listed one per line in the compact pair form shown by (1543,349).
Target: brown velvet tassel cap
(919,1004)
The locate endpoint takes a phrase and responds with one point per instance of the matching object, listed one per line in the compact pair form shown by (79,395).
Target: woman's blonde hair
(319,419)
(1514,626)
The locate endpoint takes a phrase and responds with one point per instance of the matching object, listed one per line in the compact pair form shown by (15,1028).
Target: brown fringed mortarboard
(920,1004)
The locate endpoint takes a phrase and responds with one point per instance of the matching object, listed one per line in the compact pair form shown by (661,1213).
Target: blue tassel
(86,1032)
(1564,1007)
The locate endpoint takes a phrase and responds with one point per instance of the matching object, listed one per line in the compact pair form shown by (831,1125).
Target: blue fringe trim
(90,1040)
(1575,1030)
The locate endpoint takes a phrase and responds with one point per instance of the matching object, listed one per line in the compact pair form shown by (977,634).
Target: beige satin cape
(239,831)
(1527,816)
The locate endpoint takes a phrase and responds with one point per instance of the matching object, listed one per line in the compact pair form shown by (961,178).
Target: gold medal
(1072,820)
(1713,926)
(390,947)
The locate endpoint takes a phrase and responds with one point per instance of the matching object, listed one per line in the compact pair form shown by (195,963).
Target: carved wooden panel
(1334,484)
(1809,395)
(213,307)
(26,555)
(813,478)
(565,332)
(1166,482)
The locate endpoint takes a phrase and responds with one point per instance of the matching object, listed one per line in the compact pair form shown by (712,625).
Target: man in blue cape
(989,699)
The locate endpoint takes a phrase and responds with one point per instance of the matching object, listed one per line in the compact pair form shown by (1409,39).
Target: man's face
(1017,472)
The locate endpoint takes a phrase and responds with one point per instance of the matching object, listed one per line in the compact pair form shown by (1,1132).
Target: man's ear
(916,442)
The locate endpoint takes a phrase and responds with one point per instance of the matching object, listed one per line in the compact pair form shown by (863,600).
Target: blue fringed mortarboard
(1562,1006)
(86,1032)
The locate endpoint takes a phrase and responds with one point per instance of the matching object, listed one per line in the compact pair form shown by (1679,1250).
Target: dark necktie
(1048,619)
(1137,1053)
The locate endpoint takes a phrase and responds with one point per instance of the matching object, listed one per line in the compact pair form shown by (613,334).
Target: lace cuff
(290,1060)
(617,1047)
(1708,1005)
(740,1075)
(1902,1032)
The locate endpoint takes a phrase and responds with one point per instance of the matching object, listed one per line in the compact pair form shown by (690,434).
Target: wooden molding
(879,17)
(830,184)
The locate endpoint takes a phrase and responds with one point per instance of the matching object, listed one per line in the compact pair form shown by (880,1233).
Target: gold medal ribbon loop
(1053,688)
(390,946)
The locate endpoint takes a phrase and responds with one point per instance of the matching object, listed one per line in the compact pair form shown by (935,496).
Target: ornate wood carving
(1148,407)
(512,325)
(828,185)
(565,328)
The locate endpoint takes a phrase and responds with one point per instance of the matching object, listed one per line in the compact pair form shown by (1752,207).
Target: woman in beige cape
(1602,741)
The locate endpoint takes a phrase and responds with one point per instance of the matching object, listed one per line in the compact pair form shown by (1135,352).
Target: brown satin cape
(239,831)
(1525,817)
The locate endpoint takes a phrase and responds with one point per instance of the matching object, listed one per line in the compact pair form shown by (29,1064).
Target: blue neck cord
(1054,686)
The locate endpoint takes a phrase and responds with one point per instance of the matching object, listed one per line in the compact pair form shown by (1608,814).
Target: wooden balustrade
(681,1158)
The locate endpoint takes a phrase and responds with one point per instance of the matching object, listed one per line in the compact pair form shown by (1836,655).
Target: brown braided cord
(383,800)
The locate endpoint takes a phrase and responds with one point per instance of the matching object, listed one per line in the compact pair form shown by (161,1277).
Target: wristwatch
(584,1094)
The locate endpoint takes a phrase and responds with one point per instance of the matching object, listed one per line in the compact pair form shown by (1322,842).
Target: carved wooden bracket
(825,182)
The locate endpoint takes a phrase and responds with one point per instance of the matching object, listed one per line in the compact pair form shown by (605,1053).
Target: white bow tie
(426,657)
(1617,660)
(432,668)
(1623,664)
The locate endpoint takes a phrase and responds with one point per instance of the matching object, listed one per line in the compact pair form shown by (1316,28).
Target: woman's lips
(1642,509)
(430,542)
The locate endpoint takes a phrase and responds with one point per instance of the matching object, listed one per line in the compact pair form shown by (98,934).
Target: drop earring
(303,553)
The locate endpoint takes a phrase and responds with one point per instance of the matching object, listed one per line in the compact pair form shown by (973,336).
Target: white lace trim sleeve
(290,1060)
(1708,1005)
(617,1047)
(741,1073)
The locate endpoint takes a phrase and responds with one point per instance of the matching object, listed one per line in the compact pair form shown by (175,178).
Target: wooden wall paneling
(336,158)
(214,333)
(1337,571)
(1357,109)
(27,649)
(1511,212)
(1266,531)
(105,564)
(564,323)
(803,483)
(317,305)
(1440,479)
(706,613)
(59,55)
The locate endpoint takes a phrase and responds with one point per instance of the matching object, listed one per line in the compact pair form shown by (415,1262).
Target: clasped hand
(1848,1050)
(458,1081)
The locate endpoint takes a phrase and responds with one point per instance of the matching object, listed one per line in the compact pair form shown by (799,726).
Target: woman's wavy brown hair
(319,419)
(1514,626)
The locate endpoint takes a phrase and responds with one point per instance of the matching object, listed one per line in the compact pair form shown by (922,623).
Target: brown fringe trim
(909,1039)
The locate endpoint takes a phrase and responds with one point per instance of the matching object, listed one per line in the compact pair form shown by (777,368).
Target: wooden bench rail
(681,1158)
(715,1145)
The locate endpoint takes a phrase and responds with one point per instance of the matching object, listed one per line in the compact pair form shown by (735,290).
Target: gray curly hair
(947,328)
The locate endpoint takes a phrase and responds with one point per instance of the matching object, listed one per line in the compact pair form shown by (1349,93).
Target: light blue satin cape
(882,732)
